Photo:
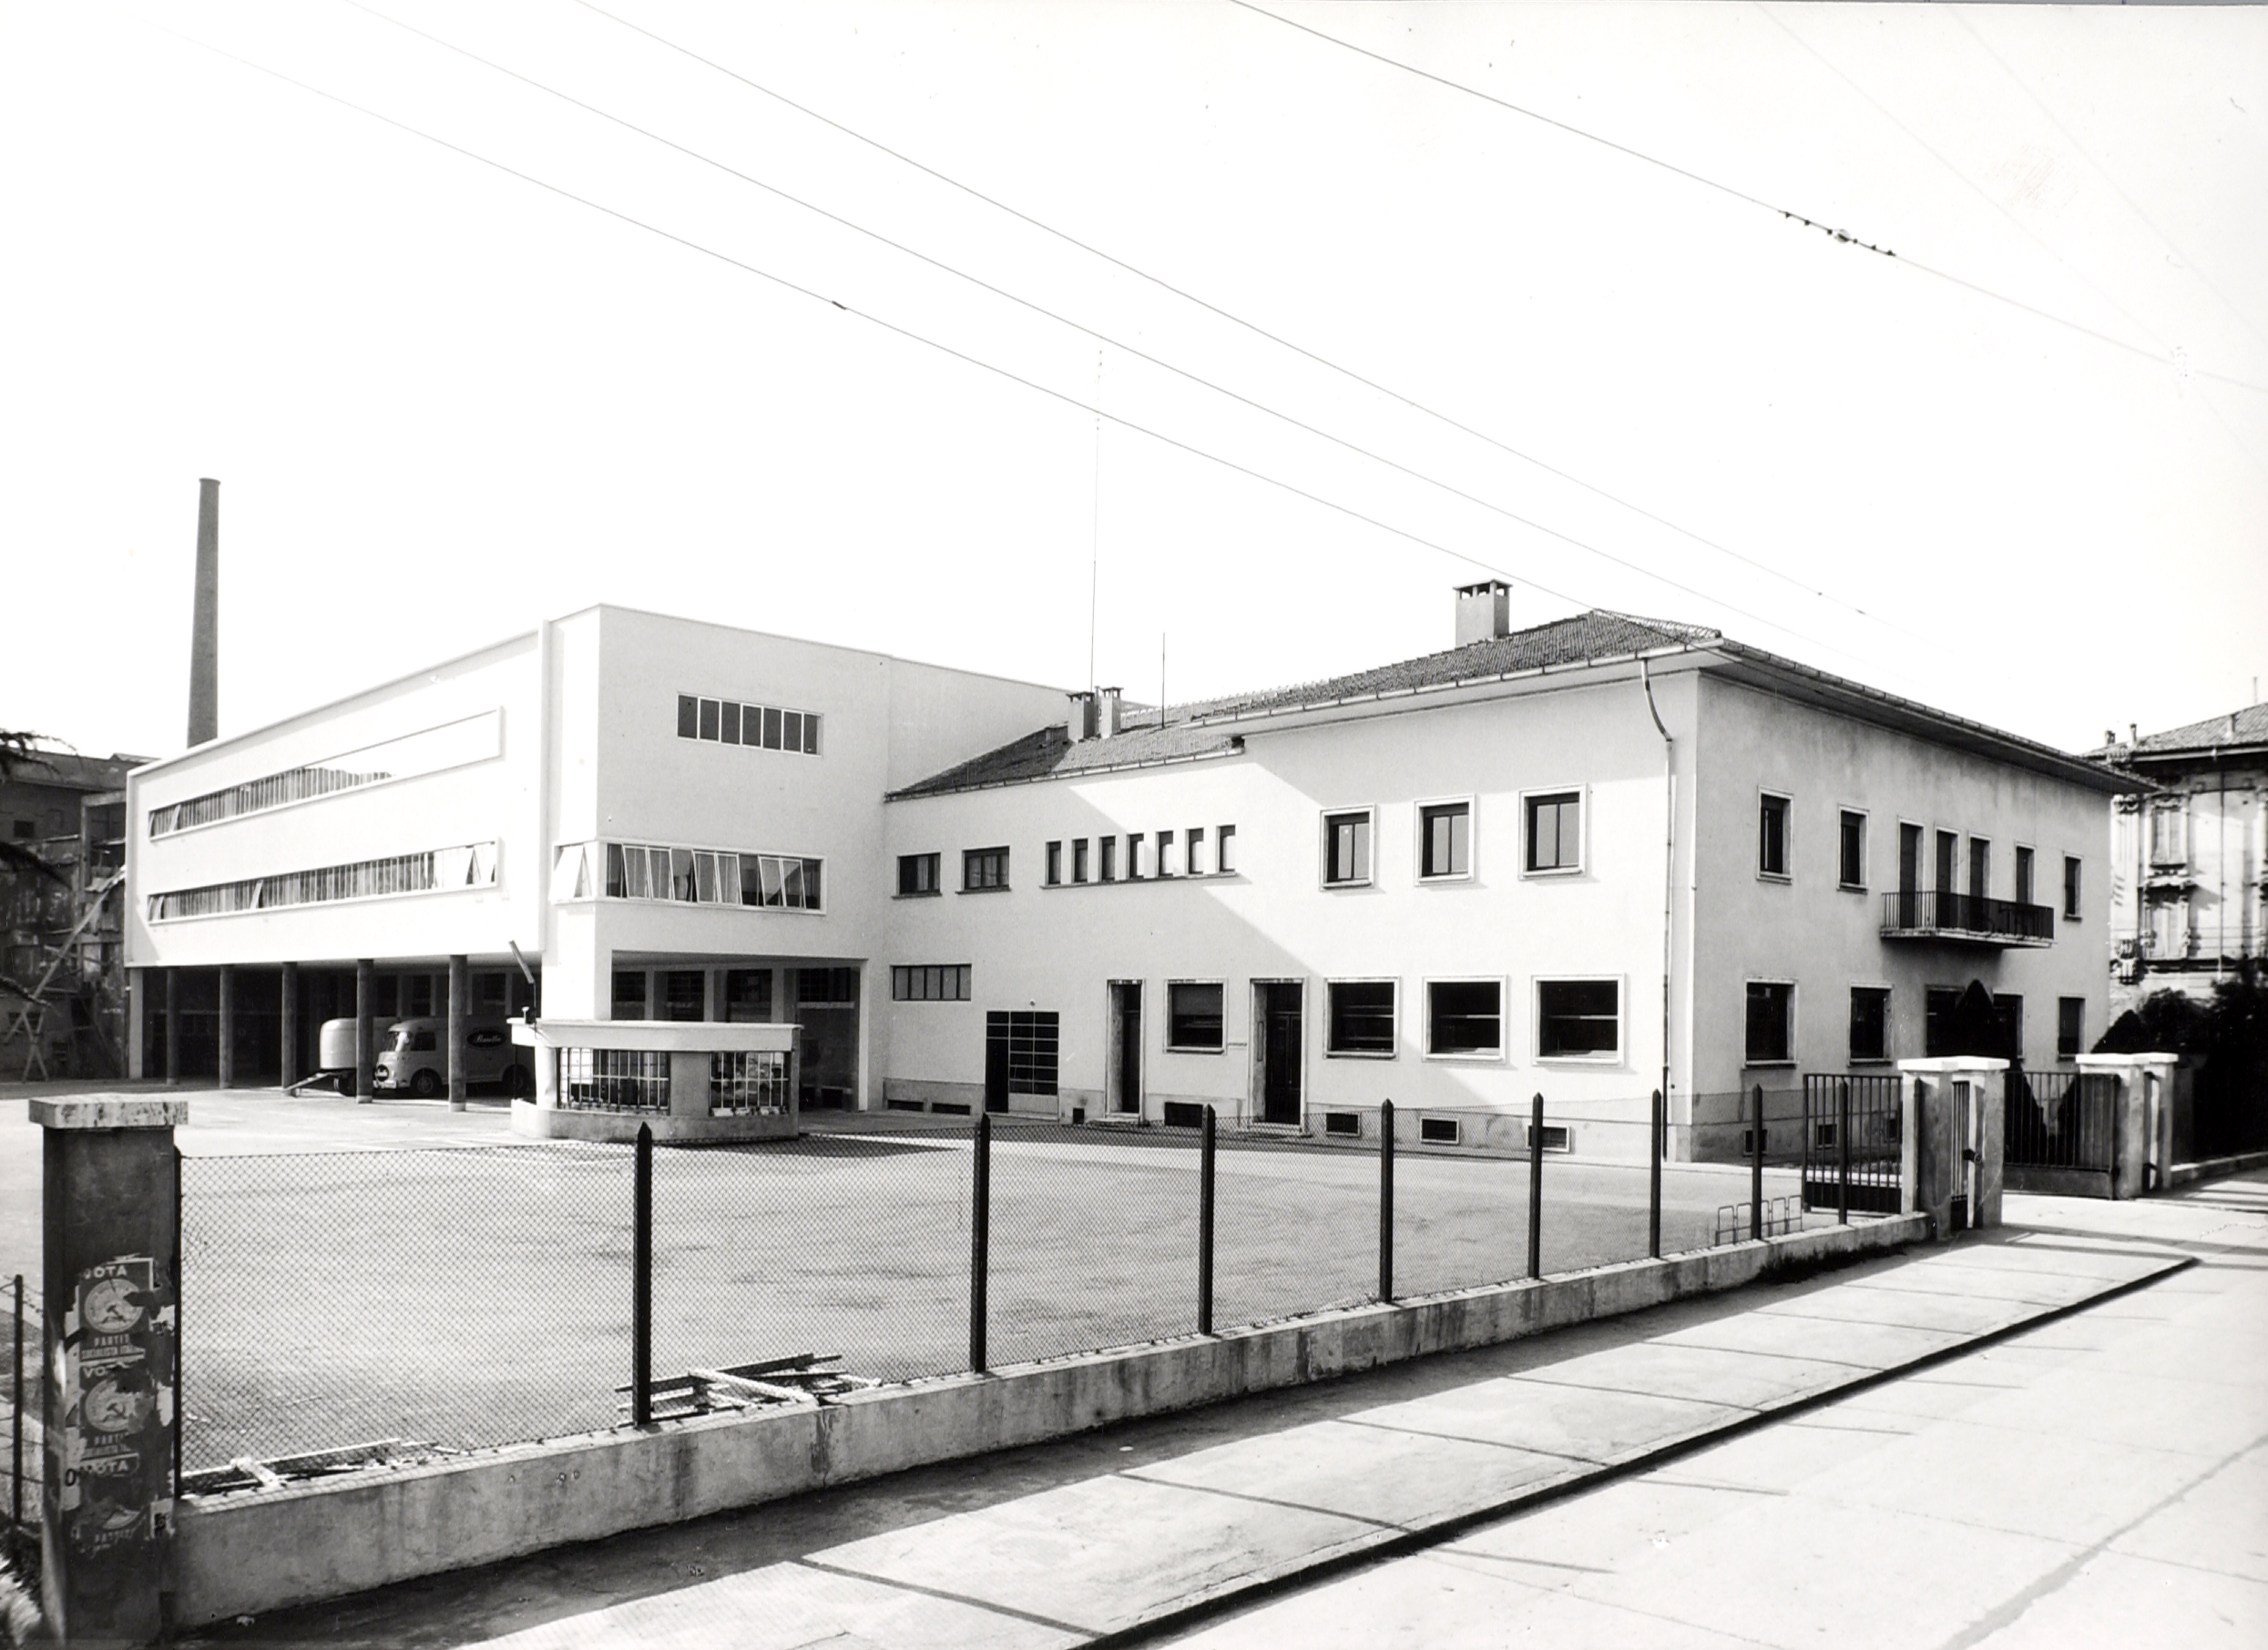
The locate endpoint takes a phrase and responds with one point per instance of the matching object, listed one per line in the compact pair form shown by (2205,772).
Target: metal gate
(1851,1142)
(2059,1133)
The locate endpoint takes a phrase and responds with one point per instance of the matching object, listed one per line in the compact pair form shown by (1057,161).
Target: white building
(1455,881)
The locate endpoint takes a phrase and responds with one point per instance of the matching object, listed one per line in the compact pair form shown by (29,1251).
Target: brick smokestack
(204,709)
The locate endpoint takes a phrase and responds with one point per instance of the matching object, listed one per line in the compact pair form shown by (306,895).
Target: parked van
(413,1055)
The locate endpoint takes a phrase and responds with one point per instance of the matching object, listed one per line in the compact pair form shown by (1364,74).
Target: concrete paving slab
(1977,1283)
(1738,1379)
(1399,1479)
(2220,1524)
(1103,1555)
(1859,1346)
(1605,1532)
(1581,1424)
(2149,1411)
(2138,1604)
(1969,1314)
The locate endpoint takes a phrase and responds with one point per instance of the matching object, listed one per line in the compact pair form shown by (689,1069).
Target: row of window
(1774,859)
(430,750)
(699,876)
(1551,835)
(743,995)
(1771,1039)
(638,1080)
(1197,852)
(471,866)
(757,726)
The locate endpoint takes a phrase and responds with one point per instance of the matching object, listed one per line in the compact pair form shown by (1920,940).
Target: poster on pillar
(116,1373)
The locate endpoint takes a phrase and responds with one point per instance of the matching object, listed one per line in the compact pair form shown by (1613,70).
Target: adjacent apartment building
(1582,860)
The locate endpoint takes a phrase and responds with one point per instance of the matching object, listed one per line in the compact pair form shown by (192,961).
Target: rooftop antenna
(1161,678)
(1094,544)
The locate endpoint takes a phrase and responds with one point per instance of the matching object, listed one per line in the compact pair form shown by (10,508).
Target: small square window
(1078,860)
(1870,1023)
(1346,848)
(1224,861)
(1771,1006)
(1555,831)
(917,873)
(1193,1015)
(983,870)
(1197,851)
(1465,1017)
(1850,851)
(1445,839)
(1578,1019)
(1055,864)
(1772,836)
(1361,1017)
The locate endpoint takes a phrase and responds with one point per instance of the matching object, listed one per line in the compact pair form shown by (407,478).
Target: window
(689,717)
(1771,1008)
(1193,1015)
(1772,836)
(2165,834)
(2070,1026)
(731,723)
(743,1082)
(1197,851)
(1555,831)
(1078,860)
(748,995)
(930,982)
(2023,876)
(437,870)
(1980,866)
(1107,847)
(917,874)
(1360,1017)
(629,993)
(614,1080)
(1055,865)
(1225,859)
(1850,851)
(1133,856)
(2008,1010)
(1938,1008)
(827,988)
(1870,1023)
(684,994)
(1578,1019)
(1027,1043)
(983,870)
(1346,848)
(430,750)
(1445,835)
(2070,888)
(1465,1017)
(1168,862)
(757,726)
(709,719)
(782,883)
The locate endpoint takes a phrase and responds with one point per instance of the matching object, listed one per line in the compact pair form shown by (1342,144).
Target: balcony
(1965,919)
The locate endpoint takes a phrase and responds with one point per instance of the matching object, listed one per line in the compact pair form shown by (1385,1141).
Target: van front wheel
(425,1084)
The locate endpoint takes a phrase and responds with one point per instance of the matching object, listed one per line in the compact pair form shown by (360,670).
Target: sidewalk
(1156,1526)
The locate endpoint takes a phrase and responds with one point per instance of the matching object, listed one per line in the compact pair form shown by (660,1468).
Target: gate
(1851,1142)
(2059,1133)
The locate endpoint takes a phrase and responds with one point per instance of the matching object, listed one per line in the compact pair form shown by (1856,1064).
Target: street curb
(1242,1595)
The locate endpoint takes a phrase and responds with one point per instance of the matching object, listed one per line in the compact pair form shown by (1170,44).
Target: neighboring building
(2189,856)
(66,812)
(1444,882)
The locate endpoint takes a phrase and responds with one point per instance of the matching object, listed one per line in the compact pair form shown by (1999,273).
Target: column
(365,1033)
(457,987)
(290,1040)
(228,1027)
(173,1026)
(108,1197)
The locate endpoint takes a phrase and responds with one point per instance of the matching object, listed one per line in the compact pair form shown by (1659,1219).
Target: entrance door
(996,1063)
(1276,1006)
(1909,873)
(1124,1079)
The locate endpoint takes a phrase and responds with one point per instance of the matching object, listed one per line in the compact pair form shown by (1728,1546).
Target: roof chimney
(1484,611)
(1080,724)
(204,705)
(1107,713)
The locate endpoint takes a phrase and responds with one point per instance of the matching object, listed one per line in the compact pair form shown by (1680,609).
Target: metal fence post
(1653,1185)
(1205,1227)
(1842,1153)
(979,1235)
(180,1347)
(1756,1167)
(16,1443)
(642,1281)
(1536,1189)
(1385,1200)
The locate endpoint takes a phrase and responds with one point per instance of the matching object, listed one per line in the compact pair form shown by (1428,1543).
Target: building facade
(1585,861)
(62,978)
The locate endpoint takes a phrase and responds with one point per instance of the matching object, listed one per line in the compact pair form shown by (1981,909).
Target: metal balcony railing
(1934,913)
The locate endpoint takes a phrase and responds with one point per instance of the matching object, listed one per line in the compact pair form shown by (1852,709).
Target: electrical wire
(1250,326)
(1844,236)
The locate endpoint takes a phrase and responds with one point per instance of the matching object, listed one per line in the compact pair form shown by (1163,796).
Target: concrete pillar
(365,1033)
(459,983)
(1951,1138)
(138,990)
(228,1027)
(288,1041)
(173,1026)
(109,1194)
(2146,1122)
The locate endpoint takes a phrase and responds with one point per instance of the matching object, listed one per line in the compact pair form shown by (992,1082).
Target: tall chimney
(204,717)
(1484,611)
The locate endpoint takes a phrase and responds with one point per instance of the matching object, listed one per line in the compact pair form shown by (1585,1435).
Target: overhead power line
(1732,192)
(1100,337)
(1254,328)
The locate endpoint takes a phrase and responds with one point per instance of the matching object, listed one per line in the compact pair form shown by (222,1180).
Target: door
(1909,873)
(1124,1079)
(995,1062)
(1948,897)
(1278,1046)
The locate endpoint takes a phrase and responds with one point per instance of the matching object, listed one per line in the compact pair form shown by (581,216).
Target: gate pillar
(2149,1119)
(1954,1114)
(109,1205)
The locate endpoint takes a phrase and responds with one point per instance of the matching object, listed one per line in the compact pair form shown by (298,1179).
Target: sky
(2003,449)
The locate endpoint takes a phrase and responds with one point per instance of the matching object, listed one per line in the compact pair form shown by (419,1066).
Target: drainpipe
(1668,873)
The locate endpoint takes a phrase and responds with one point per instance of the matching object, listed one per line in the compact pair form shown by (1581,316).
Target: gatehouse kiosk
(688,1081)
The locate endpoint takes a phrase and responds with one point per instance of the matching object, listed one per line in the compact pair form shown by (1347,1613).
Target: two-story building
(1584,860)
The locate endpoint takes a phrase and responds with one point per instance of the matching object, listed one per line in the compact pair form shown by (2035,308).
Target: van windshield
(397,1039)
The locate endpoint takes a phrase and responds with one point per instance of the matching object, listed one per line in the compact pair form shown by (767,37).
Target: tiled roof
(1207,727)
(67,769)
(2245,726)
